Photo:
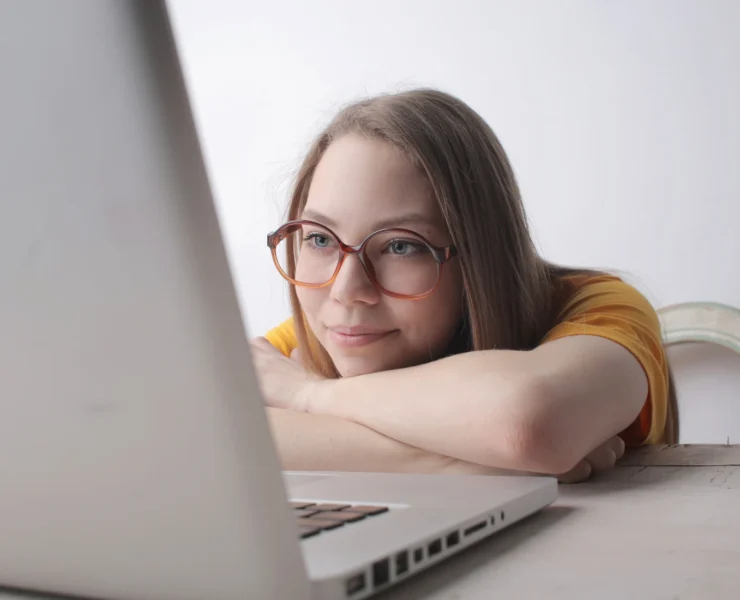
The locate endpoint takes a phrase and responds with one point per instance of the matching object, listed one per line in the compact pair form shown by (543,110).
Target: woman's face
(362,185)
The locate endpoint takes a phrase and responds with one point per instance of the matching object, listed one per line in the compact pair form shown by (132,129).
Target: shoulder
(590,294)
(608,307)
(283,337)
(605,305)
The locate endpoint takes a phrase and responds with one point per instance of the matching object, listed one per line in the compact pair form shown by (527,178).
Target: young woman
(427,334)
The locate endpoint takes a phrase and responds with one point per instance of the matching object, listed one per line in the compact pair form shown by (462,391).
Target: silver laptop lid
(135,457)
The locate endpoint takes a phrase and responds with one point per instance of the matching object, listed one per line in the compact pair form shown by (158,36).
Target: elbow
(538,447)
(535,437)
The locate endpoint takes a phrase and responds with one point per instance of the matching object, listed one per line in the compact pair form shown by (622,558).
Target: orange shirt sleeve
(607,307)
(283,337)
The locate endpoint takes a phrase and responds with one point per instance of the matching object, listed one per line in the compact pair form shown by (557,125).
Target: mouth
(358,337)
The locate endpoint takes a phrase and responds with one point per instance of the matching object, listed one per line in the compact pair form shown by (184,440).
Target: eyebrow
(398,221)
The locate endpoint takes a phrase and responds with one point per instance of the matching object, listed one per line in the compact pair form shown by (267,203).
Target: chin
(354,366)
(353,369)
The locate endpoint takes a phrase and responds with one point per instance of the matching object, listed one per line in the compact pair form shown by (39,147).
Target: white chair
(701,322)
(709,323)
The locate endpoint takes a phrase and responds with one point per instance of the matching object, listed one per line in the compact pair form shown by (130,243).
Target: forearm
(471,406)
(542,410)
(308,442)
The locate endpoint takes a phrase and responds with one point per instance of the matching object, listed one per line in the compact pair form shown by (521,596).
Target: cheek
(311,302)
(429,324)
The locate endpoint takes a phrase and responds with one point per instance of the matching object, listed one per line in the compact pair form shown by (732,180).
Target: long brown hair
(512,296)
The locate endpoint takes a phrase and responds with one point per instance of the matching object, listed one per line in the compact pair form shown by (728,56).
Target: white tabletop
(665,524)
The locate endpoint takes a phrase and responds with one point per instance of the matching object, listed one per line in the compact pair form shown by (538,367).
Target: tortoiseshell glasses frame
(441,254)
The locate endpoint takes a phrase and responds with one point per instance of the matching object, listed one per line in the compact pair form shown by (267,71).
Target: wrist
(316,397)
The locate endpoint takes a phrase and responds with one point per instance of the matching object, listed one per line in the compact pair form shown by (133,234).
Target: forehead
(363,184)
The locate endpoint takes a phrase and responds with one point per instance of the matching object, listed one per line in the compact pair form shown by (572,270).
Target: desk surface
(664,524)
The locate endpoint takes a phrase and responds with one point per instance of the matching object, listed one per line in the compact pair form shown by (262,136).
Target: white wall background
(622,120)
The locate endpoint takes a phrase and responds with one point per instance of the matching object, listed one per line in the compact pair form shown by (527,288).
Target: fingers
(263,350)
(619,443)
(581,472)
(602,458)
(605,456)
(261,343)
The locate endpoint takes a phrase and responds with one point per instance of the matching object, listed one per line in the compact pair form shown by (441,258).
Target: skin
(361,186)
(553,410)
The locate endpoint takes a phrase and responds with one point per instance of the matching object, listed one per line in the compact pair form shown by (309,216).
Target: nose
(353,284)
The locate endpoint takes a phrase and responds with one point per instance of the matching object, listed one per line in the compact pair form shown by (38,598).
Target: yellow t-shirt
(604,306)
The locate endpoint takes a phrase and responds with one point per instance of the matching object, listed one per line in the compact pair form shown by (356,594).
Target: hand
(284,382)
(602,458)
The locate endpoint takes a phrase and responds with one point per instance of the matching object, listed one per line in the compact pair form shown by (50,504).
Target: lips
(357,336)
(357,330)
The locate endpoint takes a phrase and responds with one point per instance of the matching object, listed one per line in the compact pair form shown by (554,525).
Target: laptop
(135,454)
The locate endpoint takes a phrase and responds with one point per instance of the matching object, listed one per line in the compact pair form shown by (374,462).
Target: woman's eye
(318,240)
(403,248)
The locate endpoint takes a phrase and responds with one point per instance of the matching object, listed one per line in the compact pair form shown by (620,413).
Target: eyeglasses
(399,262)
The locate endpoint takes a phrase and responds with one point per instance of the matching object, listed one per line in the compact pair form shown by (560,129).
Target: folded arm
(308,442)
(542,410)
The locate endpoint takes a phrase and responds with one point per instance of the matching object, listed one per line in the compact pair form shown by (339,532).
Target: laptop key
(314,518)
(342,517)
(329,506)
(367,510)
(308,531)
(319,523)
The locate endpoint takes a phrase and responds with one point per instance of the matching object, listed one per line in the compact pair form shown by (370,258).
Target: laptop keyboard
(315,518)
